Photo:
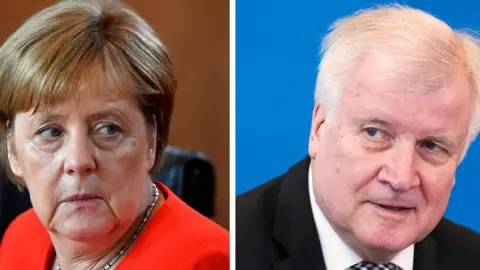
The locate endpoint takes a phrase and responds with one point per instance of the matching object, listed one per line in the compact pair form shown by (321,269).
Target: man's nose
(399,168)
(79,154)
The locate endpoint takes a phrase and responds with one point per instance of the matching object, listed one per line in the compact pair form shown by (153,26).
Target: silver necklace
(124,249)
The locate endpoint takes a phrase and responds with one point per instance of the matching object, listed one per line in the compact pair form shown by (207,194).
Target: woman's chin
(86,229)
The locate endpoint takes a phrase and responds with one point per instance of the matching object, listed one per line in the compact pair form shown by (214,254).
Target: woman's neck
(94,255)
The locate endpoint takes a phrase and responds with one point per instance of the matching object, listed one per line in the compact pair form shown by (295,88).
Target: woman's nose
(79,155)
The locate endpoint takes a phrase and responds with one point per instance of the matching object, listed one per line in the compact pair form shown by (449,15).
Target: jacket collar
(294,228)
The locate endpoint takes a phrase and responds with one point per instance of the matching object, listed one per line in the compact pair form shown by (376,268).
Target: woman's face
(85,164)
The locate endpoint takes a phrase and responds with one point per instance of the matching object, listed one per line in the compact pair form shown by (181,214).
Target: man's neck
(339,252)
(367,254)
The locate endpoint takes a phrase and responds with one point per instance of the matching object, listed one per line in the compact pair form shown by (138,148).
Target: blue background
(277,53)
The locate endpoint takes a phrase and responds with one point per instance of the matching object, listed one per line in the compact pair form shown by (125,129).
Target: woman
(86,97)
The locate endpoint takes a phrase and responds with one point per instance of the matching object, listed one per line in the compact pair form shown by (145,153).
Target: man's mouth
(392,207)
(395,208)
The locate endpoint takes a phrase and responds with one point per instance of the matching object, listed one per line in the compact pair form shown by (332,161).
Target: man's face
(384,160)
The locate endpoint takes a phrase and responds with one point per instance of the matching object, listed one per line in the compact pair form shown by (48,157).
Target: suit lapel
(425,255)
(294,227)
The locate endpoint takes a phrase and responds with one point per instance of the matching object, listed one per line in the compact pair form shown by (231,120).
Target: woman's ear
(152,144)
(12,157)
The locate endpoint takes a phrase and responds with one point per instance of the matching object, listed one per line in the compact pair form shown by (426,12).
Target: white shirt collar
(336,253)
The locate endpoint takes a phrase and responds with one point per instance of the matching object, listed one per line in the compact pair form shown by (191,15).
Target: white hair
(423,51)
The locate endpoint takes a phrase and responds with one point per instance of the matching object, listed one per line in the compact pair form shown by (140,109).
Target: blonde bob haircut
(73,47)
(422,53)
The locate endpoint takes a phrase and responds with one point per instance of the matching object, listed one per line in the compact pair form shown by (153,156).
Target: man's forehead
(411,75)
(368,82)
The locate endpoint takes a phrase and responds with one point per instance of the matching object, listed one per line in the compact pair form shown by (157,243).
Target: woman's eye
(109,130)
(50,132)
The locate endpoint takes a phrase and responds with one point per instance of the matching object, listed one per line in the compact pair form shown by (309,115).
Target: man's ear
(318,118)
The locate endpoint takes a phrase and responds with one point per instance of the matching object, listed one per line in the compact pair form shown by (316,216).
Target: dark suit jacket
(275,230)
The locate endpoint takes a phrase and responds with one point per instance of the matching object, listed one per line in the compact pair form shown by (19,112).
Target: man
(396,108)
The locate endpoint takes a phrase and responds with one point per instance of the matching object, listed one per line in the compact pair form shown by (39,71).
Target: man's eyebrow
(372,120)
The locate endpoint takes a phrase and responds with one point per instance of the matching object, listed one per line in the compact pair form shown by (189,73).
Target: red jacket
(176,237)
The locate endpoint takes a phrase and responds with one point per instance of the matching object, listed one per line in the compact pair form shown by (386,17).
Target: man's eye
(374,133)
(432,146)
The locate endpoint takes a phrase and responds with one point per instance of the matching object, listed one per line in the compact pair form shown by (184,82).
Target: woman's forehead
(88,101)
(90,84)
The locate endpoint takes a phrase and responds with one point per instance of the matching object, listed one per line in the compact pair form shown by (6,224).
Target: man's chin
(386,243)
